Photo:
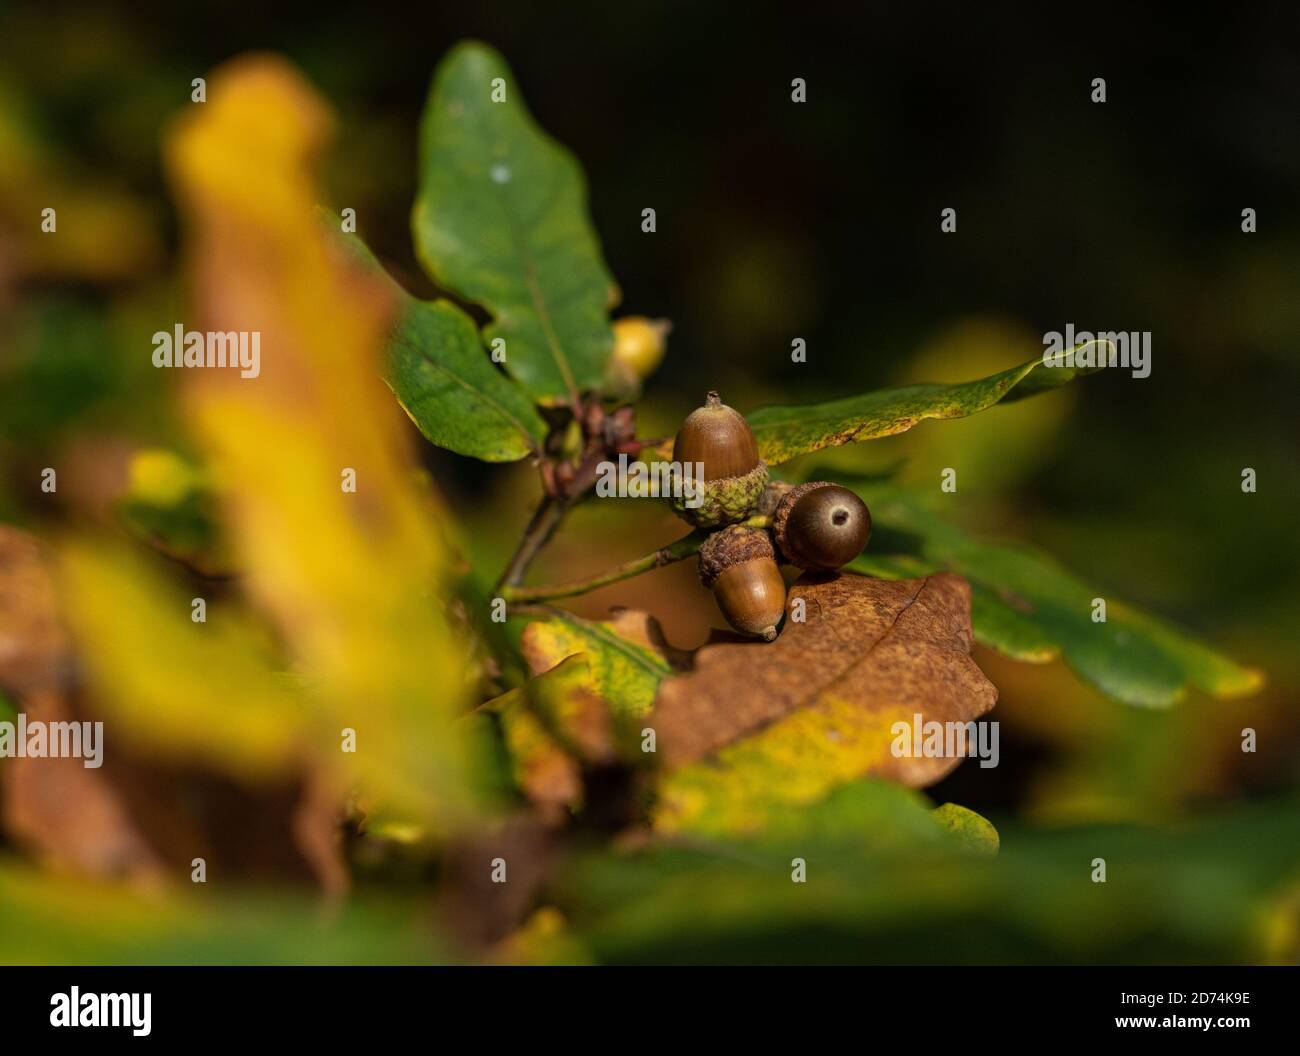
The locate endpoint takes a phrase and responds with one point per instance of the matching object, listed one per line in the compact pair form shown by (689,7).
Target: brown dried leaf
(33,646)
(491,879)
(69,815)
(138,816)
(785,722)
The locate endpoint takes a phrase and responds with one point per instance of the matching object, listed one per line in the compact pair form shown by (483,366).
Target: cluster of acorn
(817,526)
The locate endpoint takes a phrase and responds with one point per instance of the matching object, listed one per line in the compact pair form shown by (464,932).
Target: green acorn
(734,476)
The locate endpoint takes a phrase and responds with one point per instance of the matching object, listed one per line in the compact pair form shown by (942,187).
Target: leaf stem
(685,547)
(665,555)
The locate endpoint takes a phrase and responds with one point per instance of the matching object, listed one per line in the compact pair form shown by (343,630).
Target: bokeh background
(778,221)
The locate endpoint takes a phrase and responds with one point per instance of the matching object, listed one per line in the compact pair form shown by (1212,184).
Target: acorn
(718,437)
(739,565)
(639,343)
(821,526)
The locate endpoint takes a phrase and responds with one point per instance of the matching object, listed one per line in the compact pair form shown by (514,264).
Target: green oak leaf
(784,433)
(973,832)
(444,379)
(442,376)
(874,814)
(1194,893)
(501,219)
(63,919)
(1026,605)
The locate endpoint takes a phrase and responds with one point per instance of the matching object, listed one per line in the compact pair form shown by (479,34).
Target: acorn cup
(821,526)
(719,438)
(739,565)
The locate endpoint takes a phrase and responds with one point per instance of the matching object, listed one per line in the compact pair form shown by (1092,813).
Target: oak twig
(683,548)
(550,512)
(665,555)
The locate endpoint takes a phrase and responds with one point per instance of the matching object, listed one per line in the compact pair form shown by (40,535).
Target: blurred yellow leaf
(545,938)
(337,545)
(162,477)
(199,690)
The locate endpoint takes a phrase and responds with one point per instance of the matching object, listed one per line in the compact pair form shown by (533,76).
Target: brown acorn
(720,439)
(739,565)
(821,526)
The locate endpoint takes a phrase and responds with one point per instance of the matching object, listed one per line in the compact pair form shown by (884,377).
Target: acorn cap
(732,546)
(821,526)
(719,437)
(719,502)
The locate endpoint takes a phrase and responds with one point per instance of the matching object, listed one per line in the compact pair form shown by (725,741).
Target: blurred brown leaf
(33,646)
(491,879)
(138,815)
(69,814)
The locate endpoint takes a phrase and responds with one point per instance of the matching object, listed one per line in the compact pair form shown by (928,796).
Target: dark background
(820,221)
